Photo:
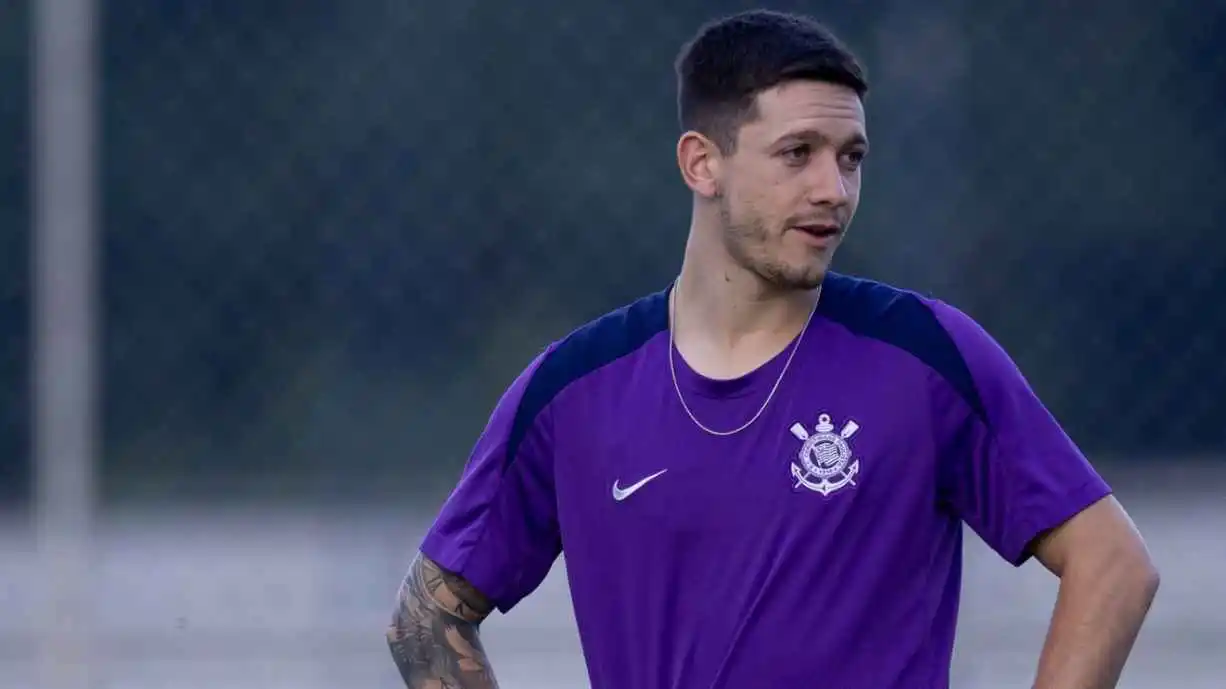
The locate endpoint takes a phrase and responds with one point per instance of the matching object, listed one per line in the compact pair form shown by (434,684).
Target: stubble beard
(746,240)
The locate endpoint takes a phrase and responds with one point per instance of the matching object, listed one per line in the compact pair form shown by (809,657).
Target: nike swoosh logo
(620,494)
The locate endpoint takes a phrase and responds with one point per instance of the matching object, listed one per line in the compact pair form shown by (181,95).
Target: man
(759,474)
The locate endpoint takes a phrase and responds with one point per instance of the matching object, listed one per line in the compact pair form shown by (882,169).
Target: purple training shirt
(820,547)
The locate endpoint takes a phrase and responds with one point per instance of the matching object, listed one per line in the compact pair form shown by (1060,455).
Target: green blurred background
(334,231)
(331,233)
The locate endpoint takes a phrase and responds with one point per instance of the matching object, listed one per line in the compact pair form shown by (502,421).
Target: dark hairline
(722,121)
(792,48)
(739,115)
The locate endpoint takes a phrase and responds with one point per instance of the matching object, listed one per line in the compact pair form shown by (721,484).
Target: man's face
(789,191)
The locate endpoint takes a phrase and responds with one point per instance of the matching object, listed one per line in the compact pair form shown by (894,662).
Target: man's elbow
(1127,569)
(1147,576)
(1101,548)
(1132,581)
(1134,563)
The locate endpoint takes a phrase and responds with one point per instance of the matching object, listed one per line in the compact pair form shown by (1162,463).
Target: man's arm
(1107,582)
(433,636)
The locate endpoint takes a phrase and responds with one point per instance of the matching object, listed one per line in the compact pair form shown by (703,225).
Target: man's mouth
(819,231)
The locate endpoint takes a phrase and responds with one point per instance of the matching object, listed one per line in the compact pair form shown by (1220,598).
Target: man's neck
(728,321)
(733,304)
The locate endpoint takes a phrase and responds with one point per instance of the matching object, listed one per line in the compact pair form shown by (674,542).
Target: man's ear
(701,164)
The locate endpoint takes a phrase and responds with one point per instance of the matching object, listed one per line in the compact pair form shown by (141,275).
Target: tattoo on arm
(433,636)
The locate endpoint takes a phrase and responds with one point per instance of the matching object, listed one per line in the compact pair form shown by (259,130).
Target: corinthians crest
(825,461)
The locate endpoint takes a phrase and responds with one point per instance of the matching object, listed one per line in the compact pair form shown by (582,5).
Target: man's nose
(827,184)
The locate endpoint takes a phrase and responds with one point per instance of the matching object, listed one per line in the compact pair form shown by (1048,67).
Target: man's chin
(808,283)
(811,276)
(799,280)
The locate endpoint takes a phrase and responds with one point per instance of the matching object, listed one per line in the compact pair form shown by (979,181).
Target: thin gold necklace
(672,368)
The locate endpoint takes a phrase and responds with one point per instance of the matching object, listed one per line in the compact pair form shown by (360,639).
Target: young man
(759,475)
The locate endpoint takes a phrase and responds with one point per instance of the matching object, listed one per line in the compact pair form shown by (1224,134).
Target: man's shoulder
(619,331)
(867,304)
(925,327)
(600,342)
(881,311)
(873,307)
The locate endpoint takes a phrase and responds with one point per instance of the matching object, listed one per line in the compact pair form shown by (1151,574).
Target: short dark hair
(723,68)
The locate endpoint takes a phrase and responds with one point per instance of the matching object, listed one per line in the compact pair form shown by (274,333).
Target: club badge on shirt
(825,458)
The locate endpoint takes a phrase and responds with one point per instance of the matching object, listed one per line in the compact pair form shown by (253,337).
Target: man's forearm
(433,636)
(1098,614)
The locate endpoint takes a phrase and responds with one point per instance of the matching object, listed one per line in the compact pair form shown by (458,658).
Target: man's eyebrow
(857,139)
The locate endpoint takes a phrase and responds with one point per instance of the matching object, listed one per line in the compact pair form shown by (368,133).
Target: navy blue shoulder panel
(592,346)
(902,319)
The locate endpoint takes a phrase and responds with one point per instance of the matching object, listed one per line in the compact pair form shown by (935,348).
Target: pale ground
(298,599)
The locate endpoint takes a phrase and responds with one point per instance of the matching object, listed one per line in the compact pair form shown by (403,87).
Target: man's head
(771,106)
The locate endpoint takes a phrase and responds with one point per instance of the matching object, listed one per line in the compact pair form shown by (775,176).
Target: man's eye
(854,158)
(796,153)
